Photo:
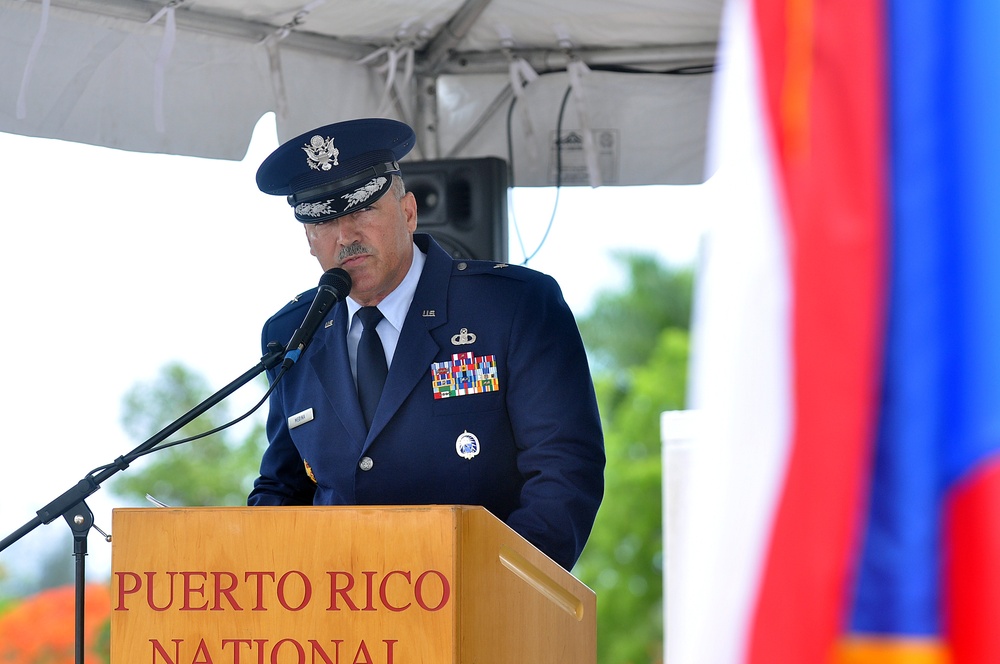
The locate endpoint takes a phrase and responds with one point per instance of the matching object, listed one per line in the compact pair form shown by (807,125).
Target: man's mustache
(353,250)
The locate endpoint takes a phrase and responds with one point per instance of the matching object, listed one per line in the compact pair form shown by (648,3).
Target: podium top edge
(309,508)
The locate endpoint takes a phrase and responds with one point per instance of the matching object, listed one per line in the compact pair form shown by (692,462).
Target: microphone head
(338,279)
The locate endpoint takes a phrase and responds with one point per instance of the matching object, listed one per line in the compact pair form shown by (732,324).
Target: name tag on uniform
(298,419)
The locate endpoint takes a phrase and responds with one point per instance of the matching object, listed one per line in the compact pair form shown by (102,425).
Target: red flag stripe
(822,73)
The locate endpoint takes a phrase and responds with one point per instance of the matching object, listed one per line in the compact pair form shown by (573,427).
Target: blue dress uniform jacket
(537,457)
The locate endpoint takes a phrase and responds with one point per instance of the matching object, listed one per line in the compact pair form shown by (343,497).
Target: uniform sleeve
(556,424)
(283,479)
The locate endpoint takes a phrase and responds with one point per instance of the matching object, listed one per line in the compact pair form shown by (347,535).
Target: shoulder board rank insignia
(499,266)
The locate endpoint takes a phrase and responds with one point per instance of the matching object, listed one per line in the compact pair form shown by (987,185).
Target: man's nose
(347,230)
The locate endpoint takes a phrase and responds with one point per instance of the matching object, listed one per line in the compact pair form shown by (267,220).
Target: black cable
(174,443)
(555,204)
(691,70)
(510,174)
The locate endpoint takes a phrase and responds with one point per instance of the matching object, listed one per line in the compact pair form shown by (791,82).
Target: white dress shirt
(393,308)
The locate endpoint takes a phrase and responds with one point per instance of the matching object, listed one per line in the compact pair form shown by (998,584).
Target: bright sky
(116,263)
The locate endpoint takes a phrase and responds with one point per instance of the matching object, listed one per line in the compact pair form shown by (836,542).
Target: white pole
(678,433)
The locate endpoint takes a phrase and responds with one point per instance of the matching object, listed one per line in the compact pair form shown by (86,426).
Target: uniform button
(366,463)
(463,265)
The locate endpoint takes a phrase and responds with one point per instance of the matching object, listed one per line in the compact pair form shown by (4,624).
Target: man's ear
(409,203)
(306,228)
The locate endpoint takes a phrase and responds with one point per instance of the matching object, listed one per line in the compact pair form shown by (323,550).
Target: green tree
(643,373)
(215,470)
(623,326)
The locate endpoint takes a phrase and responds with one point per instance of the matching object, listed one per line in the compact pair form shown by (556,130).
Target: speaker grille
(462,203)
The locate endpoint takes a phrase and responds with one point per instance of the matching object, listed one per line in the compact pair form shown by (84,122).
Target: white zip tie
(298,19)
(270,42)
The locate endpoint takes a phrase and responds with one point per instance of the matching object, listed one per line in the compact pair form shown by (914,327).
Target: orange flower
(42,629)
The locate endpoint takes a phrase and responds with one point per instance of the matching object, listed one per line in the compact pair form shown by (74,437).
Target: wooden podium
(339,585)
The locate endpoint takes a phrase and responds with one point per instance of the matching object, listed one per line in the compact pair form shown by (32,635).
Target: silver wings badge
(321,153)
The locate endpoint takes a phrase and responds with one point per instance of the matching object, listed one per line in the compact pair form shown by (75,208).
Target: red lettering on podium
(260,651)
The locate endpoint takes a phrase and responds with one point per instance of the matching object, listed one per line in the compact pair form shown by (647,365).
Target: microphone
(334,285)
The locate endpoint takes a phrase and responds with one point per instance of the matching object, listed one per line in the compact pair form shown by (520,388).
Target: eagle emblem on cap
(321,153)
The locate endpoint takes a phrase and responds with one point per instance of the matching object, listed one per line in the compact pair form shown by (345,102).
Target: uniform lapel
(332,372)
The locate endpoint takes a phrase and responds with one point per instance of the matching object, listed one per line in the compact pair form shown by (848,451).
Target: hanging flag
(928,581)
(845,489)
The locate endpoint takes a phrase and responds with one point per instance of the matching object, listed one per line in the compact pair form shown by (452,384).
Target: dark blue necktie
(372,367)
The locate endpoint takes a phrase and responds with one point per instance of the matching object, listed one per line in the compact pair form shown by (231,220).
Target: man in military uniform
(488,398)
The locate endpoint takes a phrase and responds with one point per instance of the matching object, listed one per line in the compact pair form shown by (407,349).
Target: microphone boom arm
(92,482)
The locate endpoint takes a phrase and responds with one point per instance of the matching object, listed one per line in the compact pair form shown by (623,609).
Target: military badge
(309,471)
(467,445)
(463,338)
(322,155)
(464,374)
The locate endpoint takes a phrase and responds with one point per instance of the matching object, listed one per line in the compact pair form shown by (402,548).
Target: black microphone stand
(71,505)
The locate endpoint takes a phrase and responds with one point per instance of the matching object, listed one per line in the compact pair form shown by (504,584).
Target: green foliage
(623,561)
(643,375)
(623,326)
(51,565)
(6,604)
(215,470)
(102,642)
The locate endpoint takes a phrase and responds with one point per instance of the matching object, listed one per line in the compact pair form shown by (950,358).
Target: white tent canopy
(625,85)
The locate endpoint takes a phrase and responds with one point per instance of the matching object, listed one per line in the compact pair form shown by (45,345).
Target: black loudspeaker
(462,203)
